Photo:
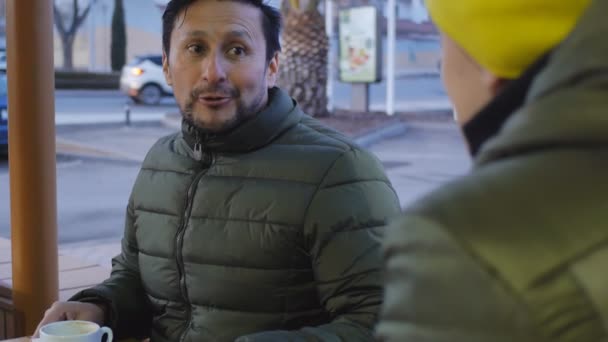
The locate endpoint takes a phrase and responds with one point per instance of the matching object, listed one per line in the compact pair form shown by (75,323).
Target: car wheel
(3,151)
(150,94)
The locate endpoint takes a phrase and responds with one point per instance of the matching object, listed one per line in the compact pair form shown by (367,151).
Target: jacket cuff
(97,297)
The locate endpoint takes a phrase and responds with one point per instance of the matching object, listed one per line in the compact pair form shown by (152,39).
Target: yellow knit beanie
(506,36)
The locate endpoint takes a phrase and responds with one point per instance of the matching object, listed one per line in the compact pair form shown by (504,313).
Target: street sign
(360,45)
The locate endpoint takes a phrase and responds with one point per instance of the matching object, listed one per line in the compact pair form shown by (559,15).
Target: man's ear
(493,83)
(272,72)
(166,70)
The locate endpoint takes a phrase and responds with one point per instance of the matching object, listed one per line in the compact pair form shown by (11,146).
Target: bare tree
(67,22)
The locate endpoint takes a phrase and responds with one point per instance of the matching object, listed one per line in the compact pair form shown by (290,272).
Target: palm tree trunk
(304,59)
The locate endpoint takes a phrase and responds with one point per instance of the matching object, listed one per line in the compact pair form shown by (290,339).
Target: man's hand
(68,311)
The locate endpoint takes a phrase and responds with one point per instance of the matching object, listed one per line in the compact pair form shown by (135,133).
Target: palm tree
(304,58)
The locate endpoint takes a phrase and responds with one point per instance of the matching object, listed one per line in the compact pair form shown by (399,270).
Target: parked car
(3,114)
(2,60)
(143,80)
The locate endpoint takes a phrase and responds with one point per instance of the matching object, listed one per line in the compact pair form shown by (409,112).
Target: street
(108,106)
(92,193)
(104,106)
(91,198)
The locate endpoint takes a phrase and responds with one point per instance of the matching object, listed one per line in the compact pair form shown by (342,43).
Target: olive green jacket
(518,249)
(273,235)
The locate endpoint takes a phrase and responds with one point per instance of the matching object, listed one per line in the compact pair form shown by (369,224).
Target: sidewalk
(99,252)
(426,155)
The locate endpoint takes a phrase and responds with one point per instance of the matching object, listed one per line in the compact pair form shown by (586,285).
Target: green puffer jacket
(272,236)
(518,250)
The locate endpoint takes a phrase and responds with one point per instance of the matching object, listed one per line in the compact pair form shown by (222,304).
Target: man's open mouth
(214,100)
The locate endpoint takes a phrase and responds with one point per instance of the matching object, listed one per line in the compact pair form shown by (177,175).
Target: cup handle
(107,331)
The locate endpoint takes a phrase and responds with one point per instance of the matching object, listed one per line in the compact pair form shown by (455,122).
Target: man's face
(217,64)
(469,86)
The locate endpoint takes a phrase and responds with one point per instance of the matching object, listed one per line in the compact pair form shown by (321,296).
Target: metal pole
(127,114)
(106,46)
(390,51)
(329,29)
(360,97)
(92,32)
(32,158)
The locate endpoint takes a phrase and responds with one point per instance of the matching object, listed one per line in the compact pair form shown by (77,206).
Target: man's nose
(213,70)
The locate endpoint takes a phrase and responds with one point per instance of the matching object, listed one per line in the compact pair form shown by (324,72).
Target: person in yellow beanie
(517,250)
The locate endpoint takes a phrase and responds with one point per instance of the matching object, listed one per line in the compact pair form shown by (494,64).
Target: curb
(89,243)
(365,140)
(89,152)
(98,116)
(389,131)
(108,124)
(96,251)
(172,120)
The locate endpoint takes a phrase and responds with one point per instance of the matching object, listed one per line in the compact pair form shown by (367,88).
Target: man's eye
(195,49)
(236,51)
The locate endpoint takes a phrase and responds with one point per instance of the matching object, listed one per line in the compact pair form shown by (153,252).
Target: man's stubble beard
(242,114)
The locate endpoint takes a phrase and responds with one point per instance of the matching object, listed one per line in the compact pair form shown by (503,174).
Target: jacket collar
(281,114)
(489,121)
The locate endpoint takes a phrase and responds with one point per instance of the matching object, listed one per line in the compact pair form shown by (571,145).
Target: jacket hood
(567,100)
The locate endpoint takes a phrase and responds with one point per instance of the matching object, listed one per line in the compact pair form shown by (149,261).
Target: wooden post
(30,71)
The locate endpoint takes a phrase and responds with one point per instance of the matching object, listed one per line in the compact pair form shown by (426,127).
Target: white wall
(413,10)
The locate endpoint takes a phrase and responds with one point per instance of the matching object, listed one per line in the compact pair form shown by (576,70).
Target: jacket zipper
(179,241)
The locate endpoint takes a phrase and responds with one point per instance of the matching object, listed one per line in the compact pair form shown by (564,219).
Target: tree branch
(58,20)
(80,19)
(75,10)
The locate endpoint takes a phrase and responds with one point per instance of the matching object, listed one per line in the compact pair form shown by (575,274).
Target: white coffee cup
(74,331)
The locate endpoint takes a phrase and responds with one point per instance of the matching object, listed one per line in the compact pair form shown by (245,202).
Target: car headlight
(3,114)
(137,71)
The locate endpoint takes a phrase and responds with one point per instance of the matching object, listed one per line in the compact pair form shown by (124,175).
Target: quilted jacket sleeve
(344,227)
(123,292)
(436,291)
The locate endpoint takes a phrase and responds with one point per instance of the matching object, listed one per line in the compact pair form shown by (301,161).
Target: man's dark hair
(271,22)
